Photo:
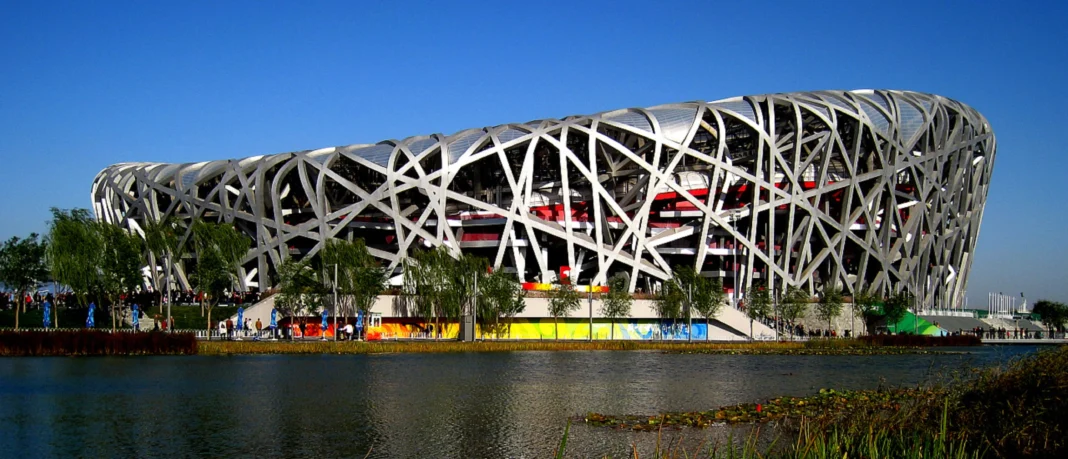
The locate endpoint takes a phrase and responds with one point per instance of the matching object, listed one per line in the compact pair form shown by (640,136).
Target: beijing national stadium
(872,188)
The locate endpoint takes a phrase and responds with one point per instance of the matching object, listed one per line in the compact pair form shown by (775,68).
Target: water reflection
(458,405)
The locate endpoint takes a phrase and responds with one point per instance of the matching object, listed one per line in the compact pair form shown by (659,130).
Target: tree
(794,304)
(22,267)
(896,307)
(1054,314)
(499,295)
(299,289)
(701,294)
(163,240)
(758,305)
(865,303)
(830,305)
(617,302)
(563,299)
(74,250)
(119,265)
(670,300)
(220,249)
(360,279)
(441,285)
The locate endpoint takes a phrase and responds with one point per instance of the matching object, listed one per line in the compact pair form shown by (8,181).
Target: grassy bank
(829,347)
(189,318)
(1011,411)
(93,342)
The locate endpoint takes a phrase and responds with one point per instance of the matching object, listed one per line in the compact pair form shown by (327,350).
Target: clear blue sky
(87,84)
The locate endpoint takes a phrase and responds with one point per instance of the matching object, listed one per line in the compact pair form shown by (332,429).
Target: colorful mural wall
(573,329)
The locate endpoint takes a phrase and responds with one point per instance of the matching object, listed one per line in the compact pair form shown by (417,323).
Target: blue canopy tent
(359,324)
(325,324)
(90,322)
(274,322)
(47,314)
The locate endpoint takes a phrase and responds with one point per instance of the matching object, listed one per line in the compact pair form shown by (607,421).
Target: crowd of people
(799,330)
(8,300)
(1005,333)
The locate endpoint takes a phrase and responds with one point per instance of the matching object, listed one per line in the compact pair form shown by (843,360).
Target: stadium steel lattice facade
(880,189)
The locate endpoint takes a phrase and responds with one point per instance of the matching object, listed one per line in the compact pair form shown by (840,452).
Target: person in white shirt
(348,331)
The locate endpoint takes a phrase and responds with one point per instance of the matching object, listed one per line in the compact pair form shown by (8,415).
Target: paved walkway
(1026,341)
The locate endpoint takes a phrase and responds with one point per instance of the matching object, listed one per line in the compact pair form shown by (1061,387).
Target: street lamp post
(335,301)
(589,298)
(689,312)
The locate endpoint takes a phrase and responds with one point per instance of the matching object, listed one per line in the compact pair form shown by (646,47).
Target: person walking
(247,327)
(229,329)
(259,326)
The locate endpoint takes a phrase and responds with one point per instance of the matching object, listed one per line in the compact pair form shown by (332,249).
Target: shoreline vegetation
(86,342)
(1013,410)
(813,347)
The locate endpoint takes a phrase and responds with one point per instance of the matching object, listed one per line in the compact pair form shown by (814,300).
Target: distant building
(876,189)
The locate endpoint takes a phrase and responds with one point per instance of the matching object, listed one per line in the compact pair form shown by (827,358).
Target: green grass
(68,318)
(188,317)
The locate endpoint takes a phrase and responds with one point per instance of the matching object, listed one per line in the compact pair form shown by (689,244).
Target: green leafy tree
(440,285)
(830,305)
(896,307)
(700,294)
(617,302)
(758,304)
(300,290)
(220,249)
(360,279)
(499,296)
(1054,314)
(74,250)
(794,304)
(163,240)
(866,305)
(671,301)
(22,267)
(563,300)
(119,265)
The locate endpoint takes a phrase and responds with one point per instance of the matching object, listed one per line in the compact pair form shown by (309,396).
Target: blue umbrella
(359,324)
(47,314)
(240,314)
(324,322)
(89,321)
(136,312)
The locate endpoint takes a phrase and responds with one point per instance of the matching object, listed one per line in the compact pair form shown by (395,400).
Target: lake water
(402,405)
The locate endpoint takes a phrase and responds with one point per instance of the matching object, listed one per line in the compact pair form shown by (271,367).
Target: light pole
(335,301)
(589,299)
(474,310)
(689,313)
